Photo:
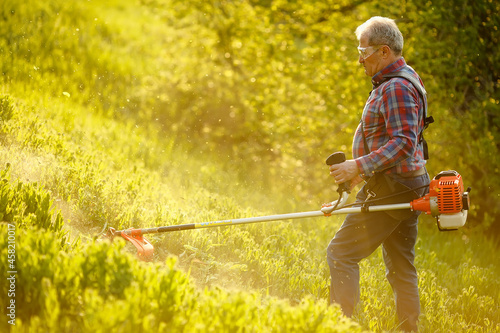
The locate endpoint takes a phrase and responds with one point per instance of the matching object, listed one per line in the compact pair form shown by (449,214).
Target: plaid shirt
(392,121)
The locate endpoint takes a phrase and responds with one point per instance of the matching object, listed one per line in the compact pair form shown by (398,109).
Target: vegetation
(162,112)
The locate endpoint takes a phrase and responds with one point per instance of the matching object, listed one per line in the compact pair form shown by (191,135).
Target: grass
(72,132)
(99,171)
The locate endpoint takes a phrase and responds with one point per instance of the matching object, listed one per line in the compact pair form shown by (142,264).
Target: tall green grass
(74,135)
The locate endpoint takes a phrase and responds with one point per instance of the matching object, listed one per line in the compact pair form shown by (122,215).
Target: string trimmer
(446,201)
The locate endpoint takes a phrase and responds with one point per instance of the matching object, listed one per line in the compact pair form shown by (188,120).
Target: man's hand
(345,171)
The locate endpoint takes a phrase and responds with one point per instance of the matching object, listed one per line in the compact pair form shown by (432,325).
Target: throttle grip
(336,158)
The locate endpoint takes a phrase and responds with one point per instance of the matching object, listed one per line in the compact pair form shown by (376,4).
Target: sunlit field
(154,113)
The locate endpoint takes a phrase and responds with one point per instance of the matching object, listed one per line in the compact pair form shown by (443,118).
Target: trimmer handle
(336,158)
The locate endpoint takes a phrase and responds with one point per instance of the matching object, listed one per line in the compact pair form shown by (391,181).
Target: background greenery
(150,113)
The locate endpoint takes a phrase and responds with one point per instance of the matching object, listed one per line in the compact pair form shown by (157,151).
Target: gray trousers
(358,237)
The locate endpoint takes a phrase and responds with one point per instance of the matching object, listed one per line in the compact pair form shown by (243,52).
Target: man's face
(369,57)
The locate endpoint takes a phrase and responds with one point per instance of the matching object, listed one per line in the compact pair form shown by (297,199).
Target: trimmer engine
(446,201)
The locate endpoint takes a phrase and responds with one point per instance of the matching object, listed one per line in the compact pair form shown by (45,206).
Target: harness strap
(421,90)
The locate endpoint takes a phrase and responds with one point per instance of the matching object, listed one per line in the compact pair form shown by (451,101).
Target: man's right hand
(345,171)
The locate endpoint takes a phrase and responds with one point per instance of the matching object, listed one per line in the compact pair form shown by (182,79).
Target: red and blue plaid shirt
(392,120)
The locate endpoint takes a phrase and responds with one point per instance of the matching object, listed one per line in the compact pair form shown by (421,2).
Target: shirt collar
(378,78)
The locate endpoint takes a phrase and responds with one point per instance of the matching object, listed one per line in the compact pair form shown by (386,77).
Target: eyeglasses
(363,51)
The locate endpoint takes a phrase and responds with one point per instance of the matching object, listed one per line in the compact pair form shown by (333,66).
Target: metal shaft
(279,217)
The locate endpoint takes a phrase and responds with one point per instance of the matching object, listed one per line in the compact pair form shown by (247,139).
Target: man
(386,141)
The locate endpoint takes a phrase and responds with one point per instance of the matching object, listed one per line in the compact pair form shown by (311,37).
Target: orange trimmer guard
(144,248)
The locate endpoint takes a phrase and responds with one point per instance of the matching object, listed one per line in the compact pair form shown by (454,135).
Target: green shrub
(166,112)
(99,288)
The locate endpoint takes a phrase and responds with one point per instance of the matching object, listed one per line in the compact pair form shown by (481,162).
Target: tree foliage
(143,113)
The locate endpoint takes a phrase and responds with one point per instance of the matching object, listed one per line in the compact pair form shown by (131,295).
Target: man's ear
(386,51)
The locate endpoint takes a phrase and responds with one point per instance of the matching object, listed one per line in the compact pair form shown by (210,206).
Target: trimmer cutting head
(145,249)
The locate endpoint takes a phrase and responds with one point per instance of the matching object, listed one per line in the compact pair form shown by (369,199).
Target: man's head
(380,44)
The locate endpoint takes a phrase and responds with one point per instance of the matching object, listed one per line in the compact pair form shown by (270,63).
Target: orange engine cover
(445,195)
(449,190)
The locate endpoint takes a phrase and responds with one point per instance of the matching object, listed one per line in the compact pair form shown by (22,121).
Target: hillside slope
(105,122)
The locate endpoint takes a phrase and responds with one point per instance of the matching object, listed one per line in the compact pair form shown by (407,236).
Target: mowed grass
(104,167)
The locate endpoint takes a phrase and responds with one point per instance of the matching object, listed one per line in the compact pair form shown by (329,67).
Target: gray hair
(382,31)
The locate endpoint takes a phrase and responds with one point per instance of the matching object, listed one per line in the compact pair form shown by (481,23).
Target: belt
(414,173)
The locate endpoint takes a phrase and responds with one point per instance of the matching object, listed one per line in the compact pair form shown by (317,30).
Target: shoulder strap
(418,86)
(411,78)
(423,93)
